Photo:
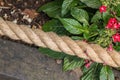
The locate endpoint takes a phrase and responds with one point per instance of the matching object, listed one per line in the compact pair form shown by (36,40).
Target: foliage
(55,26)
(106,73)
(52,54)
(72,62)
(96,21)
(93,73)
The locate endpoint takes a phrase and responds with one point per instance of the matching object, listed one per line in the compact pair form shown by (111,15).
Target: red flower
(112,24)
(116,37)
(112,20)
(109,26)
(102,9)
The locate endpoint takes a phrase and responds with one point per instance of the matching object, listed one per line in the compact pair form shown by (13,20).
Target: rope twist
(64,44)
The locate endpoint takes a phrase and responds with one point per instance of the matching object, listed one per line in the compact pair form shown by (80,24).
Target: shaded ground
(26,63)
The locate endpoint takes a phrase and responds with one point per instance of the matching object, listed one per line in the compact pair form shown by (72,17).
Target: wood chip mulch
(23,12)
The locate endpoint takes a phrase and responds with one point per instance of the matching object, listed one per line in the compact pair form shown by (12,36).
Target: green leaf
(55,26)
(81,5)
(74,3)
(80,14)
(91,73)
(96,17)
(77,38)
(117,9)
(93,32)
(106,73)
(67,5)
(117,46)
(106,16)
(92,3)
(52,9)
(71,63)
(72,25)
(97,70)
(86,36)
(93,27)
(51,53)
(87,73)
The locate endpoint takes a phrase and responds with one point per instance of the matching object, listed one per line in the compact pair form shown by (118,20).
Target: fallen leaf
(32,13)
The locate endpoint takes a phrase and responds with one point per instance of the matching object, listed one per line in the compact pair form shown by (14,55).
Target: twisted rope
(59,43)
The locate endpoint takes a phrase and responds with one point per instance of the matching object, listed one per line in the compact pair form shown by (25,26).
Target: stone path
(21,62)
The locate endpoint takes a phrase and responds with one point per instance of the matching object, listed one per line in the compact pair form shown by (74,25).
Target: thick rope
(59,43)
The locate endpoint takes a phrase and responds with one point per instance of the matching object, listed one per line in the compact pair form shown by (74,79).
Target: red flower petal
(116,37)
(102,9)
(116,26)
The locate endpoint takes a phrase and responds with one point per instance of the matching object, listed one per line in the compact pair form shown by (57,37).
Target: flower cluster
(113,24)
(97,26)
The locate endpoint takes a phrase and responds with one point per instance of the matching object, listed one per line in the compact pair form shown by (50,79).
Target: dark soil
(23,11)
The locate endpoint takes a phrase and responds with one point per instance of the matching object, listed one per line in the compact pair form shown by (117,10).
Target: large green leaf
(74,3)
(55,26)
(72,25)
(71,63)
(51,53)
(65,6)
(52,9)
(106,73)
(92,3)
(80,14)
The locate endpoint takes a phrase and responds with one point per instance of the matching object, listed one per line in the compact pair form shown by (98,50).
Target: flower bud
(87,65)
(102,9)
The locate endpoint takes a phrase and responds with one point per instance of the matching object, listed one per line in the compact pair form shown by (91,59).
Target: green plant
(96,21)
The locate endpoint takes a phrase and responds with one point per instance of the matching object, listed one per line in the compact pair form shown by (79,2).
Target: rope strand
(64,44)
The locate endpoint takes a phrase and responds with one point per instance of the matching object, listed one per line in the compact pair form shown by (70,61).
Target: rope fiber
(64,44)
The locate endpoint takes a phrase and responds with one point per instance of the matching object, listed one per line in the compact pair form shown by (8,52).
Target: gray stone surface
(21,62)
